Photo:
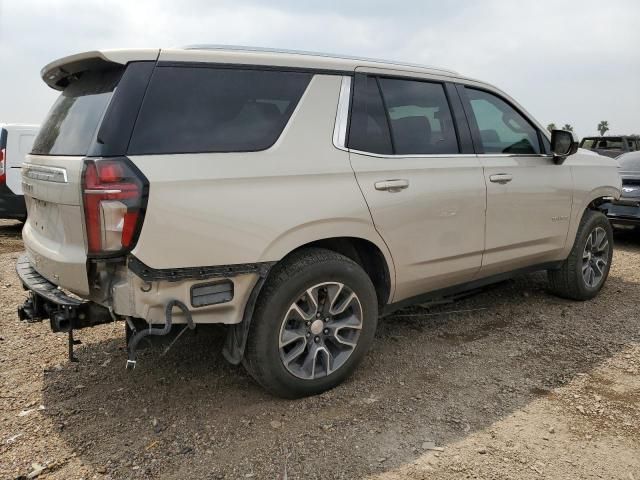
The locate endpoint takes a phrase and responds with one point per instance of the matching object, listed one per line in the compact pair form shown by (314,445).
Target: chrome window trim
(342,114)
(45,173)
(448,155)
(342,121)
(510,155)
(416,155)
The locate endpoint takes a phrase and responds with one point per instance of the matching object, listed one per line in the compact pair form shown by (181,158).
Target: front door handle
(500,178)
(392,185)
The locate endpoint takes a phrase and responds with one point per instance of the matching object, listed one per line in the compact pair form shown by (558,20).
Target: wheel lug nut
(316,339)
(308,334)
(308,324)
(326,331)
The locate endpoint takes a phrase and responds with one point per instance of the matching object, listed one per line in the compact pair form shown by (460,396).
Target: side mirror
(563,144)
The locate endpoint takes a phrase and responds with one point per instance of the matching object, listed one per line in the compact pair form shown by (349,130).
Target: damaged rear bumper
(48,301)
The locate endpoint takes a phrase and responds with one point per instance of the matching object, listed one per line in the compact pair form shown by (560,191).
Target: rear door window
(71,125)
(369,130)
(420,118)
(501,127)
(209,109)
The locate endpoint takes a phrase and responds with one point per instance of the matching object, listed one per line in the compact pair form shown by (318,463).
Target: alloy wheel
(320,330)
(595,257)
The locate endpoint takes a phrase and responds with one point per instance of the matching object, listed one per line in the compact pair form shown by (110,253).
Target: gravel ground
(509,383)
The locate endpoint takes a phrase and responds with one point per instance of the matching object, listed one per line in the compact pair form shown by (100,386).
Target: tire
(569,281)
(283,312)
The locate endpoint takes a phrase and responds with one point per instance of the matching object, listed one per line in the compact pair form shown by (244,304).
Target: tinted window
(546,143)
(368,130)
(610,143)
(629,162)
(190,110)
(502,128)
(420,118)
(70,126)
(588,143)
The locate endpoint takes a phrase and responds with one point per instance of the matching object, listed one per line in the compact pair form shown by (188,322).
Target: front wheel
(585,271)
(314,321)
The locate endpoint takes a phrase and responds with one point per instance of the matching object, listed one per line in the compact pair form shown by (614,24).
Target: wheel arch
(366,254)
(354,238)
(373,256)
(590,201)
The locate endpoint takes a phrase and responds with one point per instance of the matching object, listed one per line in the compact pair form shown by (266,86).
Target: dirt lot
(509,383)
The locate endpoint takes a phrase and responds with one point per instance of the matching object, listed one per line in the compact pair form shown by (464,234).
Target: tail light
(3,166)
(114,194)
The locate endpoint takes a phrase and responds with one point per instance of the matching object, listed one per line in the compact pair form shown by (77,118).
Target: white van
(15,142)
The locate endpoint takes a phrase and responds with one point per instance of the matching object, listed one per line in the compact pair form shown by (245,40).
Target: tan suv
(295,198)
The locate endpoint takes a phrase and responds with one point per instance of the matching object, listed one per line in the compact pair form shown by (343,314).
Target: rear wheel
(585,271)
(314,321)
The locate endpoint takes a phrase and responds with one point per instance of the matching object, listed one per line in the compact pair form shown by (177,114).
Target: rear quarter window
(212,109)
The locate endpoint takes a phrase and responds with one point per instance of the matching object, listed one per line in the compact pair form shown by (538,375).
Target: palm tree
(551,126)
(603,127)
(568,127)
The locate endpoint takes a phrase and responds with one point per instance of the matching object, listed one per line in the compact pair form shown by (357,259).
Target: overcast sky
(573,61)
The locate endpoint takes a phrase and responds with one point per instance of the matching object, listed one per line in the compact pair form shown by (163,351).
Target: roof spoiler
(59,73)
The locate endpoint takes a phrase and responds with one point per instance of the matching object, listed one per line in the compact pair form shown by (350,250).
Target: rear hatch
(85,125)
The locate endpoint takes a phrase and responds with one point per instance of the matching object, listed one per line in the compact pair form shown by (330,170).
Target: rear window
(72,122)
(611,143)
(588,142)
(209,109)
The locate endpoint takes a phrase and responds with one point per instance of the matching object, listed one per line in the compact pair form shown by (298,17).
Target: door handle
(500,178)
(392,185)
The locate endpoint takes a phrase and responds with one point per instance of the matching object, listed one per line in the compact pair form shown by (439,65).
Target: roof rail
(315,54)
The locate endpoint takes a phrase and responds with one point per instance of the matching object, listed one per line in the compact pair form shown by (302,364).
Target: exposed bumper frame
(201,273)
(48,301)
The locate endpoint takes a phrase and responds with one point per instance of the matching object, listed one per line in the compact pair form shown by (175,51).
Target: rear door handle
(392,185)
(500,178)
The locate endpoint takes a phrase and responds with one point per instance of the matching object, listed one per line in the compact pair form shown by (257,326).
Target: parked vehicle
(294,198)
(611,146)
(15,143)
(624,213)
